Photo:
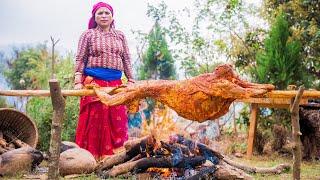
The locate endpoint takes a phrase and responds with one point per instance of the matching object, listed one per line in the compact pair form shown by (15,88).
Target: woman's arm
(126,60)
(81,57)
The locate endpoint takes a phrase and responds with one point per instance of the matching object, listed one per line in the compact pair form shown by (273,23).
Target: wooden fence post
(252,129)
(58,103)
(294,109)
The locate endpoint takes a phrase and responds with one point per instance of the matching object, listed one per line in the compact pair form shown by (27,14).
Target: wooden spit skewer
(308,94)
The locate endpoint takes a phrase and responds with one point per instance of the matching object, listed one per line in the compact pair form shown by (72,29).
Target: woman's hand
(131,81)
(78,86)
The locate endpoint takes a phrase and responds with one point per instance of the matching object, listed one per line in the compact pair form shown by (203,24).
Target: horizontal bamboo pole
(271,102)
(82,92)
(308,94)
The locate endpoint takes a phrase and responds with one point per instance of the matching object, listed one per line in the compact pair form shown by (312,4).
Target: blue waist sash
(103,73)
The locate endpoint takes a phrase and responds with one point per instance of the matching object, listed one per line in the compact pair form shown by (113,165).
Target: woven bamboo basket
(20,125)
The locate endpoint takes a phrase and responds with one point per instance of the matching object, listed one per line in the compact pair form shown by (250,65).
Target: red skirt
(101,128)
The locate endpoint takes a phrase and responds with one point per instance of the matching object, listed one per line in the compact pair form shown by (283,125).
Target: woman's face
(103,17)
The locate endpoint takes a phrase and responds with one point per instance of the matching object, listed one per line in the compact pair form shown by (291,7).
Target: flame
(161,125)
(165,172)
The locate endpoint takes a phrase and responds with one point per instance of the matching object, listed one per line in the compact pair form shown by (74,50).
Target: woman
(102,56)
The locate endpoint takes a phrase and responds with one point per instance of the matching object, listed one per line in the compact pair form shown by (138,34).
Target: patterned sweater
(98,48)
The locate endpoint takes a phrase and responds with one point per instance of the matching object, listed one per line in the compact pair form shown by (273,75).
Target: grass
(309,170)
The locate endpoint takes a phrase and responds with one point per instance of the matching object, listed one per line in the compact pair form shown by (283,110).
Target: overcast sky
(34,21)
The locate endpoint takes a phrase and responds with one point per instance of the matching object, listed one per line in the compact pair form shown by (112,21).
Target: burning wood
(165,172)
(177,157)
(133,149)
(162,162)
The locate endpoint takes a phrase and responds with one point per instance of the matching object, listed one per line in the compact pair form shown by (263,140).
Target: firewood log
(145,163)
(132,143)
(264,170)
(225,171)
(76,161)
(133,148)
(15,140)
(170,147)
(206,151)
(19,160)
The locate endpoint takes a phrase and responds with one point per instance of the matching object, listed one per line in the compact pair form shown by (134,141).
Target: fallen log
(264,170)
(145,163)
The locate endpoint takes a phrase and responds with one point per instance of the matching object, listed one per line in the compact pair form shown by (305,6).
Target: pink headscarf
(92,23)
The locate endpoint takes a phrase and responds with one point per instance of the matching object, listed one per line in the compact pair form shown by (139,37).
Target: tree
(280,62)
(157,61)
(28,68)
(204,41)
(303,20)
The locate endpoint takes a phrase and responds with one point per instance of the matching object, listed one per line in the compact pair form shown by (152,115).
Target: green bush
(33,66)
(40,110)
(3,102)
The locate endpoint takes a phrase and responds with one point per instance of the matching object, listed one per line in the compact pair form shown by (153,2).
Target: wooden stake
(53,58)
(58,103)
(294,109)
(252,129)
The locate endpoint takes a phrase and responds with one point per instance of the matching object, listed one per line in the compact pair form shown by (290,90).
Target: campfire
(165,153)
(179,157)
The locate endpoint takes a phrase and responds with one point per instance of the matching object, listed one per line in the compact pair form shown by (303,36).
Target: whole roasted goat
(204,97)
